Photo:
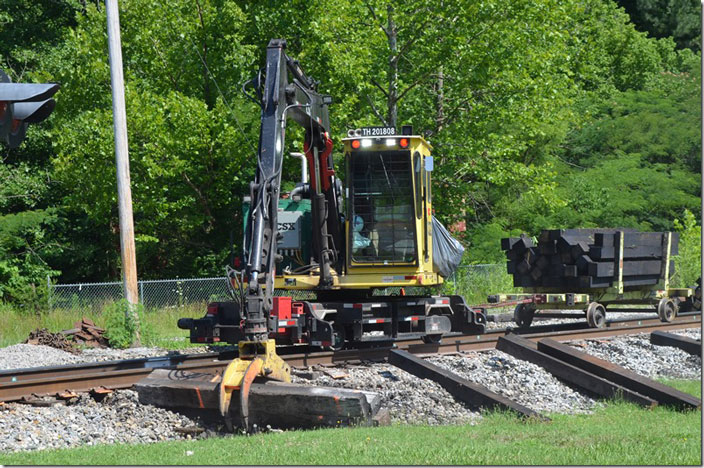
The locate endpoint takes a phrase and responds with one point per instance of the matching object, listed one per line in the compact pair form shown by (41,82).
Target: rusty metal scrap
(42,336)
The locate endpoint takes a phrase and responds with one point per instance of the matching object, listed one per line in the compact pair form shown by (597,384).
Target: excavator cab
(389,208)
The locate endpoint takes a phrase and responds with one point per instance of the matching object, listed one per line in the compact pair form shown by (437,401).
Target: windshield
(383,230)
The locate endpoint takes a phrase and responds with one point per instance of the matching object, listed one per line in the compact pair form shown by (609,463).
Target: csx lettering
(287,226)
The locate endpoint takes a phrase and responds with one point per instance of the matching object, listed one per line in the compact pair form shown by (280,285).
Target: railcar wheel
(431,339)
(523,315)
(667,309)
(596,315)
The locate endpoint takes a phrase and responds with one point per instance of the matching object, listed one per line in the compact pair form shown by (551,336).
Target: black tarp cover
(447,251)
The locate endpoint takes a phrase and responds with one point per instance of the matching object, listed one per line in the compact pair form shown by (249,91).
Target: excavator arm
(280,99)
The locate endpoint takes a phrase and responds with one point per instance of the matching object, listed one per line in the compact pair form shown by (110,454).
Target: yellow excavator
(328,265)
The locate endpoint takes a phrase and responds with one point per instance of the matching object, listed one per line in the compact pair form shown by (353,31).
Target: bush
(688,264)
(476,282)
(121,326)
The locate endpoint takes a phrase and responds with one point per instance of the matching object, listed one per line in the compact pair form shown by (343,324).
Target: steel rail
(18,383)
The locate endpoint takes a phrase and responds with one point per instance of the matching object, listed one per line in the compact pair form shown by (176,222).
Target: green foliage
(688,264)
(476,282)
(679,19)
(122,324)
(158,326)
(553,113)
(23,271)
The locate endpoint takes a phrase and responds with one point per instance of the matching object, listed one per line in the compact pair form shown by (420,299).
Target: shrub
(121,326)
(688,263)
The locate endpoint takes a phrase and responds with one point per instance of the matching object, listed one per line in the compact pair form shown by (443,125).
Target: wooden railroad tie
(661,393)
(661,338)
(281,405)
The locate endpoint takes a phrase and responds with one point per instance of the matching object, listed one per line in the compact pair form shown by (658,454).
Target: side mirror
(428,164)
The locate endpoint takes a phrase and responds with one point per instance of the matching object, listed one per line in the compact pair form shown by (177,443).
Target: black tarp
(447,251)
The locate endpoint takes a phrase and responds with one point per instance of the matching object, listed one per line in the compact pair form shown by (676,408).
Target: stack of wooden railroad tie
(87,333)
(581,259)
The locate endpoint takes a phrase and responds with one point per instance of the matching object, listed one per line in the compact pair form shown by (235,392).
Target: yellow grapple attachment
(256,359)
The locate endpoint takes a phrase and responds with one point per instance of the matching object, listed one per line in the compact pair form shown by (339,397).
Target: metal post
(48,292)
(618,261)
(124,194)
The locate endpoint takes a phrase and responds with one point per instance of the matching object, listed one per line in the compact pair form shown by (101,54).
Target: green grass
(618,434)
(15,325)
(475,283)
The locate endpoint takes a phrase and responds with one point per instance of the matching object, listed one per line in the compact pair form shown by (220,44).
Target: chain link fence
(152,293)
(474,282)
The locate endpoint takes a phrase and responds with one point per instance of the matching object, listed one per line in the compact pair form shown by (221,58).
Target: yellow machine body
(395,211)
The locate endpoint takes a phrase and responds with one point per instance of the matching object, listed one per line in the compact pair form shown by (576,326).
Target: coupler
(256,359)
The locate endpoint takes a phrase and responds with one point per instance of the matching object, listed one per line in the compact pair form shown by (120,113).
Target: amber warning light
(355,144)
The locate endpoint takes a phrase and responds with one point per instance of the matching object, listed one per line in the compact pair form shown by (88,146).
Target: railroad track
(16,384)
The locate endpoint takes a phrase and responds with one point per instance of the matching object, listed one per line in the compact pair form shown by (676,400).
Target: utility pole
(124,193)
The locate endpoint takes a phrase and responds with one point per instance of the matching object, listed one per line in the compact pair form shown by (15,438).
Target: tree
(188,142)
(679,19)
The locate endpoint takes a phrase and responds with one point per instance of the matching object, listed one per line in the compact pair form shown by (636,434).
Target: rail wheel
(667,309)
(596,315)
(431,339)
(523,315)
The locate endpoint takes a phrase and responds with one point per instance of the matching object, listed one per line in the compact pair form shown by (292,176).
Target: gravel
(521,381)
(20,356)
(635,353)
(409,400)
(118,418)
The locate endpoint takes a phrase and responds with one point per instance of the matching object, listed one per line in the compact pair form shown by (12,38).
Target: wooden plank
(536,273)
(579,249)
(523,281)
(553,281)
(587,234)
(661,393)
(590,282)
(507,243)
(281,405)
(544,237)
(462,389)
(631,252)
(527,350)
(522,267)
(542,262)
(631,238)
(630,268)
(583,263)
(661,338)
(561,269)
(547,248)
(522,244)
